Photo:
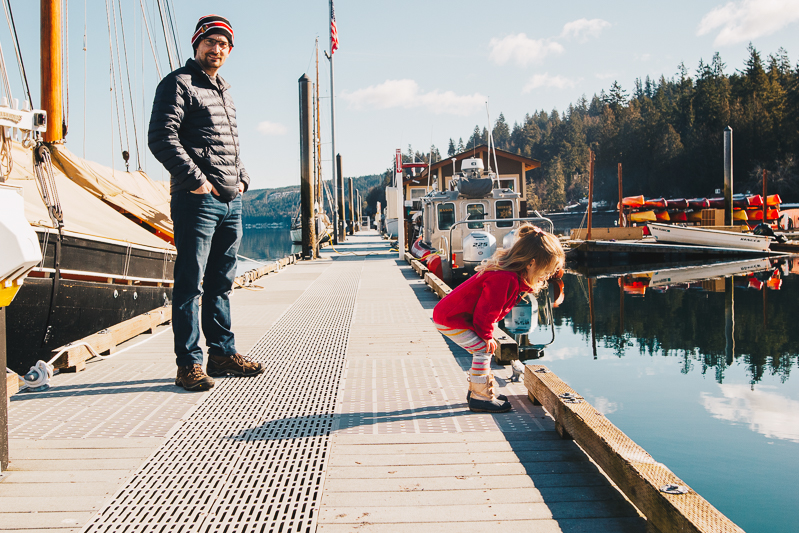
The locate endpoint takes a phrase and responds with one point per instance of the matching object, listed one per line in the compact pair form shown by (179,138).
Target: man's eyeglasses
(212,43)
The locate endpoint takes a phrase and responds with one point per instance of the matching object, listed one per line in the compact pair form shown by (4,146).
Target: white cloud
(583,29)
(770,414)
(272,128)
(406,94)
(521,49)
(604,406)
(745,20)
(545,80)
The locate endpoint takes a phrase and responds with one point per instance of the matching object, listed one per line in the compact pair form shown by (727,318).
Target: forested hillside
(668,135)
(279,205)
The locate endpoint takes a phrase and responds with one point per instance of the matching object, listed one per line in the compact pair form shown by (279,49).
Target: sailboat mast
(50,52)
(336,194)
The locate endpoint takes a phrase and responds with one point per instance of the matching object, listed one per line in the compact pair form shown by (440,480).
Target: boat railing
(535,220)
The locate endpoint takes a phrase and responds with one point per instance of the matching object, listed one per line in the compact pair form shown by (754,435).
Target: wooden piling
(591,158)
(342,234)
(621,201)
(352,209)
(765,207)
(728,220)
(309,247)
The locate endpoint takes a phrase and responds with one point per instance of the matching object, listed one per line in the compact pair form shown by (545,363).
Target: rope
(6,161)
(115,101)
(45,180)
(150,38)
(124,108)
(13,28)
(130,89)
(175,37)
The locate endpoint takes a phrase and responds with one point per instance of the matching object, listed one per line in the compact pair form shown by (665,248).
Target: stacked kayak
(746,209)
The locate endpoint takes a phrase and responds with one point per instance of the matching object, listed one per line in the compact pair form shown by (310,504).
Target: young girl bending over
(468,314)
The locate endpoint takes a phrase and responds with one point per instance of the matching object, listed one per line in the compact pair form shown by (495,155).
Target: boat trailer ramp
(358,424)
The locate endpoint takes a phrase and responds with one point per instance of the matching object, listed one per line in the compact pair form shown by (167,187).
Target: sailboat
(104,234)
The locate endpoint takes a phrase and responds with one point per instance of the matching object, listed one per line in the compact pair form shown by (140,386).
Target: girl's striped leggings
(469,341)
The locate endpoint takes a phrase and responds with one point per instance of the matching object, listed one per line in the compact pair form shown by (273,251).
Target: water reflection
(770,414)
(265,243)
(695,313)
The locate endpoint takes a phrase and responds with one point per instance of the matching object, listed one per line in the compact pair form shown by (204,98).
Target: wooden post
(591,314)
(306,176)
(358,209)
(590,191)
(342,233)
(765,207)
(621,201)
(728,220)
(352,209)
(50,52)
(3,395)
(729,319)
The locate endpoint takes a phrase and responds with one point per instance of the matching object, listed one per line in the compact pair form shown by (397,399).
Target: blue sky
(411,72)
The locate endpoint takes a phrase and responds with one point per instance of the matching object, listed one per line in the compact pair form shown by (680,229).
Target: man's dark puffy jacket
(193,132)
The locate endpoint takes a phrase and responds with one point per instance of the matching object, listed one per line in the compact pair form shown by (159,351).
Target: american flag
(333,31)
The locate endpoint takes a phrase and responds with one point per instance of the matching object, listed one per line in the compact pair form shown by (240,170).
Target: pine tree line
(668,135)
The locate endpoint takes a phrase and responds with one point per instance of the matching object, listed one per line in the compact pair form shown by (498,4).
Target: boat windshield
(475,212)
(446,216)
(504,209)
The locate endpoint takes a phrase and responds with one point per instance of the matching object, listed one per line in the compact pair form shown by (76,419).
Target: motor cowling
(522,320)
(478,246)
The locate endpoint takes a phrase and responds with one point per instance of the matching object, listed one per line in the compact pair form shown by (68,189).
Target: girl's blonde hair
(531,245)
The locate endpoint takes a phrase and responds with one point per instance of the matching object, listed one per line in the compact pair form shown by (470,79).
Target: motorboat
(708,237)
(465,224)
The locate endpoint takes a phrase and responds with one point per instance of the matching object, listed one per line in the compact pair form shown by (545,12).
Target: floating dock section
(359,424)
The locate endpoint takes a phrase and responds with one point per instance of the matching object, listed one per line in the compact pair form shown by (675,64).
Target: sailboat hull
(101,283)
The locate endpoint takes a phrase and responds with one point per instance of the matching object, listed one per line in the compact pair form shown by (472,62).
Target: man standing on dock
(193,134)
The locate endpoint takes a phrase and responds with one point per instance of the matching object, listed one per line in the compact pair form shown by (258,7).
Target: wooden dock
(359,424)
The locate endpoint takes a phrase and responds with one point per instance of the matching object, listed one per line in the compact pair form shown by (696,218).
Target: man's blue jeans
(207,237)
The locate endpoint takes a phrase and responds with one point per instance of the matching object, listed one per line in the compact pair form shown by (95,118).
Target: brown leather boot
(235,365)
(193,378)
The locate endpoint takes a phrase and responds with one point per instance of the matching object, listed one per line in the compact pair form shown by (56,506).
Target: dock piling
(308,216)
(728,220)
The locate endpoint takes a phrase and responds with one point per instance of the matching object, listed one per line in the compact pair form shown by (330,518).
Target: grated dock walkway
(359,424)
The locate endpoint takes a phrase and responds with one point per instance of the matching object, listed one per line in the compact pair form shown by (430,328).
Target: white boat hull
(708,237)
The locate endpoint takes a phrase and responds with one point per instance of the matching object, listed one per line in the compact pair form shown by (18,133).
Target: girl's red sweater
(480,302)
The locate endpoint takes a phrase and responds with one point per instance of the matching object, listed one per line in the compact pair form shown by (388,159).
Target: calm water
(687,370)
(700,375)
(268,244)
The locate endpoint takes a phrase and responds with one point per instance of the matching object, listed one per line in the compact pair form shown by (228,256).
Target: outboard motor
(765,230)
(478,246)
(522,320)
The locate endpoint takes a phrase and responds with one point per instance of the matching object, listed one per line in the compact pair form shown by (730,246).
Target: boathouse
(511,170)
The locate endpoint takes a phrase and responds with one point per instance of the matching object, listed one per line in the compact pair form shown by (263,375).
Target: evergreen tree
(451,149)
(461,148)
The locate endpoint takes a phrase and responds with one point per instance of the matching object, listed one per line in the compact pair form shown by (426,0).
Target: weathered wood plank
(12,383)
(106,340)
(628,465)
(438,286)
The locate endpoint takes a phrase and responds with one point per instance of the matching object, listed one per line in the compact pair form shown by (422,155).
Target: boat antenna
(490,144)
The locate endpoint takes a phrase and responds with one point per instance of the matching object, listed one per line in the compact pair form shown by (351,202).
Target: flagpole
(333,129)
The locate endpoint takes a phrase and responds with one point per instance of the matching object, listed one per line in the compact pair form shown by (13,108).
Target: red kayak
(655,203)
(679,203)
(678,216)
(773,200)
(632,201)
(698,203)
(756,201)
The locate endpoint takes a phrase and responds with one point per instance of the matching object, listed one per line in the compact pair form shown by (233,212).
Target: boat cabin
(510,171)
